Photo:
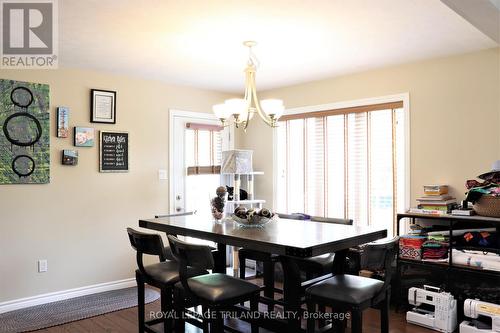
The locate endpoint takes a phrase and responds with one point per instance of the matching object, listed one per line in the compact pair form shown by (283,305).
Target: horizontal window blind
(343,163)
(203,148)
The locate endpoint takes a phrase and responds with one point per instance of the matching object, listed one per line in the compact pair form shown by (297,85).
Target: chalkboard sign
(113,151)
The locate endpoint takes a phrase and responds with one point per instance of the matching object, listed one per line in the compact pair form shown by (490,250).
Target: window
(203,148)
(203,153)
(346,162)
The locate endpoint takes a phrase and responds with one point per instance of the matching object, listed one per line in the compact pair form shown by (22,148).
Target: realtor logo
(29,34)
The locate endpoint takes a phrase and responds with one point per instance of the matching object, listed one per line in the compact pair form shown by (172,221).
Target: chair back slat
(294,216)
(176,214)
(193,255)
(378,256)
(331,220)
(144,243)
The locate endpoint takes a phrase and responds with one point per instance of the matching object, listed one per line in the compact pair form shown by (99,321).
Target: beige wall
(78,221)
(455,116)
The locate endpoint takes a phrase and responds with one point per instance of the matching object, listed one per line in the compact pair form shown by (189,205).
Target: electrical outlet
(42,265)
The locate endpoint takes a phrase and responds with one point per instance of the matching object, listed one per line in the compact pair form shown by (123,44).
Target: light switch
(42,265)
(162,174)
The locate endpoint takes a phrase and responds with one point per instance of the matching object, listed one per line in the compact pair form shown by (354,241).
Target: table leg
(220,259)
(291,292)
(236,262)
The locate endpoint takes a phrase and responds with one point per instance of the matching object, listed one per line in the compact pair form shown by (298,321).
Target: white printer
(485,317)
(433,309)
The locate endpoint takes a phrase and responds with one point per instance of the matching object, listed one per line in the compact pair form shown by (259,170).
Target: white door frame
(174,115)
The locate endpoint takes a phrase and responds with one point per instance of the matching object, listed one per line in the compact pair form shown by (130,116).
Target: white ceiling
(198,43)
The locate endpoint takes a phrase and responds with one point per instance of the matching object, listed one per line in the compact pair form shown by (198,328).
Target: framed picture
(62,122)
(84,137)
(113,151)
(102,106)
(69,157)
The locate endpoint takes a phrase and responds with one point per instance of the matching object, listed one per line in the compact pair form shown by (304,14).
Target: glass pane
(204,148)
(381,169)
(335,151)
(357,168)
(295,176)
(281,188)
(217,148)
(315,162)
(189,148)
(304,186)
(400,161)
(199,190)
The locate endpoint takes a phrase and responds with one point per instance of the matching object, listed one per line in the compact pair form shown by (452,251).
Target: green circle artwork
(24,136)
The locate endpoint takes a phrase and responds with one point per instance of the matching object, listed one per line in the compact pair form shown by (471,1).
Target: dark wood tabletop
(283,236)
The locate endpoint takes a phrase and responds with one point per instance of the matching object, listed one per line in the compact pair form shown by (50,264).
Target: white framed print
(102,106)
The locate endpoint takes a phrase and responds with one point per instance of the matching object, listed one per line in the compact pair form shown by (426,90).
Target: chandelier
(243,109)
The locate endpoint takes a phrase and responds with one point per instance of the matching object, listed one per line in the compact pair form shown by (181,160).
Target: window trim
(346,110)
(342,107)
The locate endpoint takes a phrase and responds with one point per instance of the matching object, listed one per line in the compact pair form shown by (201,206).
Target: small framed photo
(84,137)
(102,106)
(69,157)
(62,122)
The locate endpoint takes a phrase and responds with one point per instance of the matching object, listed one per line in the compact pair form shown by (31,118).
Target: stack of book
(437,202)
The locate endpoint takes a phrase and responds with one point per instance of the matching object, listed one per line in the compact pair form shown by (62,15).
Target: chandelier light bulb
(221,111)
(236,106)
(273,107)
(243,109)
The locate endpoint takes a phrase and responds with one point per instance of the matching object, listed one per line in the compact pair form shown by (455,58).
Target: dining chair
(212,245)
(215,292)
(269,262)
(355,293)
(322,264)
(162,275)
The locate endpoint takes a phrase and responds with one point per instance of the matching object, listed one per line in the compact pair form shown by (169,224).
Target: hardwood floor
(125,321)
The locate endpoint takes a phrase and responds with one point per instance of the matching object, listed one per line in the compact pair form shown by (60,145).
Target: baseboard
(65,294)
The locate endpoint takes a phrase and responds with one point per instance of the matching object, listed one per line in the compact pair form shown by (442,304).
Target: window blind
(203,148)
(343,163)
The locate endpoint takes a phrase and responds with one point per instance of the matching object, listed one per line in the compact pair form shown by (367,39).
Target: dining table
(290,239)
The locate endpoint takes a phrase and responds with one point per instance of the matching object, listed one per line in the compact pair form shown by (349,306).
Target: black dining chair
(212,245)
(215,292)
(162,275)
(355,293)
(268,260)
(322,264)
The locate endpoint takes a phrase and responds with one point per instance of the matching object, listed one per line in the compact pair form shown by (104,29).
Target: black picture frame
(114,151)
(102,110)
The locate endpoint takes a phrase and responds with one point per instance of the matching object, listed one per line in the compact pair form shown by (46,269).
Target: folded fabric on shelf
(435,249)
(479,259)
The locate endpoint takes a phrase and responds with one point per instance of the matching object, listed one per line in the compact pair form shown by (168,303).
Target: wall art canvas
(62,122)
(69,157)
(24,137)
(84,136)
